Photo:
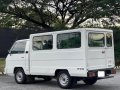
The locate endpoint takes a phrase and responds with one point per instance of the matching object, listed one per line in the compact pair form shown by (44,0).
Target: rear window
(109,39)
(96,39)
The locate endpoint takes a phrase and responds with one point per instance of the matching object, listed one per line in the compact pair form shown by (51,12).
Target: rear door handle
(22,57)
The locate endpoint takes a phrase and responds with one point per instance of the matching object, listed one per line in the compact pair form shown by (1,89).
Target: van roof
(96,29)
(72,30)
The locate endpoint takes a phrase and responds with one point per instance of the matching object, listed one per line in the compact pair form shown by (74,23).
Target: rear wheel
(90,81)
(20,76)
(64,80)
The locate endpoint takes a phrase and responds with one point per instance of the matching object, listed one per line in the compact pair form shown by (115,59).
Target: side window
(96,39)
(69,40)
(19,47)
(42,42)
(109,39)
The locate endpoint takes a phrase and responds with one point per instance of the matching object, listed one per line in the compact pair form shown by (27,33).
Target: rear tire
(20,76)
(90,81)
(64,80)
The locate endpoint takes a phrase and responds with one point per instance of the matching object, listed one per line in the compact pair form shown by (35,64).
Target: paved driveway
(8,83)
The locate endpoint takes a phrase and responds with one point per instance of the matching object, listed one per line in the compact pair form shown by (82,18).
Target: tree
(9,21)
(60,14)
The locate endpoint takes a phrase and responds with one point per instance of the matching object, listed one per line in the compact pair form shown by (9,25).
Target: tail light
(113,71)
(91,74)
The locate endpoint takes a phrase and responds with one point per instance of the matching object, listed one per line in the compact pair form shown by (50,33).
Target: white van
(69,56)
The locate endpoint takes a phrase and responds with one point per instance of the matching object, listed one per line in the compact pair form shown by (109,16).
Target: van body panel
(46,62)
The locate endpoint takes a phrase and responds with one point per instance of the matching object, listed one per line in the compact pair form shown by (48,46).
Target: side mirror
(8,51)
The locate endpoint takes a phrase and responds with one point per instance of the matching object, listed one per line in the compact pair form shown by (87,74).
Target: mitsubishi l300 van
(69,56)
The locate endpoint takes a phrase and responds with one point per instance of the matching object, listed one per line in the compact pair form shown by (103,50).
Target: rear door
(96,57)
(109,50)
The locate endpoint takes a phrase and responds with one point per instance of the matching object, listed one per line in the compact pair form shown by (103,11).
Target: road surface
(8,83)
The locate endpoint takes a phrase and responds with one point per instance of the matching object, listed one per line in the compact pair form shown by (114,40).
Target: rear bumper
(105,77)
(108,73)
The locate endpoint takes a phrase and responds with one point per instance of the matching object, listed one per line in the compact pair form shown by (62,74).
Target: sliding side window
(69,40)
(42,42)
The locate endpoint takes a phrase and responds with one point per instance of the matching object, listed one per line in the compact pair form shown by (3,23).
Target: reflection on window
(109,39)
(96,40)
(69,40)
(42,42)
(19,47)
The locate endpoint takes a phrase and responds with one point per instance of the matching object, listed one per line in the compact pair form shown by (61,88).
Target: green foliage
(8,21)
(117,53)
(4,4)
(60,26)
(60,14)
(116,31)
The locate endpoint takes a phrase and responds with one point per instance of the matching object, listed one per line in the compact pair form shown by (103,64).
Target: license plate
(101,73)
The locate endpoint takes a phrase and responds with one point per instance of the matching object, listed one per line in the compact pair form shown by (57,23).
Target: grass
(2,64)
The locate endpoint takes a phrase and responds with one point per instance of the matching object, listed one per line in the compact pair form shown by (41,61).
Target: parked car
(69,56)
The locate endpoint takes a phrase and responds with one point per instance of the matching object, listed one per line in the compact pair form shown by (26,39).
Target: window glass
(109,39)
(69,40)
(96,40)
(19,47)
(42,42)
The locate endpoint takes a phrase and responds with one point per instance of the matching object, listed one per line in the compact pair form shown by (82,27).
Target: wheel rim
(63,79)
(19,76)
